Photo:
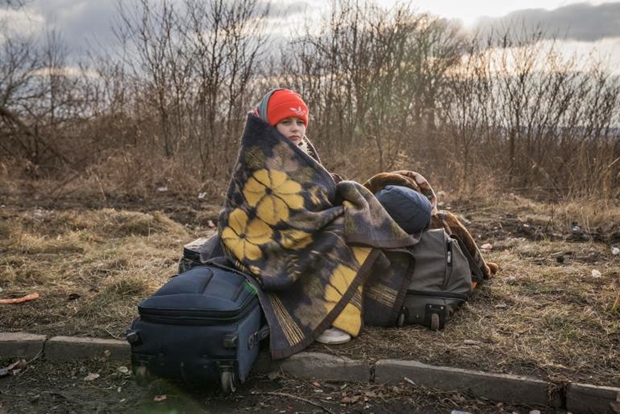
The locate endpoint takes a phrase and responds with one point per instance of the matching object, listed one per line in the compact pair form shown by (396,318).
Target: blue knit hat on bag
(410,209)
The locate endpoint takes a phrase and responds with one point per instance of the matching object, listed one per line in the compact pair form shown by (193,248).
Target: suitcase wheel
(229,382)
(142,374)
(435,321)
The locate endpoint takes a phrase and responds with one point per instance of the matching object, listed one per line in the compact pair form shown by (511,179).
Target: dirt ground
(551,312)
(97,387)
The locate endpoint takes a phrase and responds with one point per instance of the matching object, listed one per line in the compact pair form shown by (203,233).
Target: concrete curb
(65,348)
(21,345)
(499,387)
(575,397)
(584,398)
(314,365)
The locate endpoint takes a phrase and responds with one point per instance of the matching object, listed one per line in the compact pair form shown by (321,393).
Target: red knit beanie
(280,104)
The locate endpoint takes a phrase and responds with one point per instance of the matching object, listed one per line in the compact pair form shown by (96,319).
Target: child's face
(292,128)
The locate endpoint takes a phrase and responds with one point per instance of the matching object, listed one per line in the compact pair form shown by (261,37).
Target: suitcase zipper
(439,294)
(449,269)
(195,317)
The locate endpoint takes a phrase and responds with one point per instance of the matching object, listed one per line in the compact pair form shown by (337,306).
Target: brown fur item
(439,219)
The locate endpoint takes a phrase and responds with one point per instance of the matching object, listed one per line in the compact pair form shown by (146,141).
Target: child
(288,113)
(310,239)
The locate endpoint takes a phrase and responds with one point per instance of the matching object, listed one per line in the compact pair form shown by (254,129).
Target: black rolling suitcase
(203,326)
(441,281)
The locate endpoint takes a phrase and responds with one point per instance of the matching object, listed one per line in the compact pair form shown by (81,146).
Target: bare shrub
(374,79)
(535,120)
(193,68)
(392,87)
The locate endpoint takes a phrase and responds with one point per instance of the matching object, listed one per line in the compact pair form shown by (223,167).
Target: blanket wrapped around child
(308,242)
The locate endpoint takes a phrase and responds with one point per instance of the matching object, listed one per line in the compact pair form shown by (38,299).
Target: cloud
(284,10)
(80,22)
(580,22)
(78,25)
(86,23)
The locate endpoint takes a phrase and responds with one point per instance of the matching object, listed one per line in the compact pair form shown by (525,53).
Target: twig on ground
(37,356)
(282,394)
(24,365)
(117,337)
(409,381)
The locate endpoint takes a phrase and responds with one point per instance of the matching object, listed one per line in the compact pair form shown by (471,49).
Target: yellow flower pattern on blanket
(272,193)
(350,318)
(244,236)
(295,239)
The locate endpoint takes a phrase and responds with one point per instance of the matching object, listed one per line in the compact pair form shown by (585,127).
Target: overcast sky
(584,23)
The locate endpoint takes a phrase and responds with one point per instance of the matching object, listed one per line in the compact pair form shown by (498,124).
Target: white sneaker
(333,336)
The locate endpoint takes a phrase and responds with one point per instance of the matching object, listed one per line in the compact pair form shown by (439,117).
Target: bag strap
(476,271)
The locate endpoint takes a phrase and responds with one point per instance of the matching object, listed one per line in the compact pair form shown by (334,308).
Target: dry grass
(548,312)
(90,267)
(545,313)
